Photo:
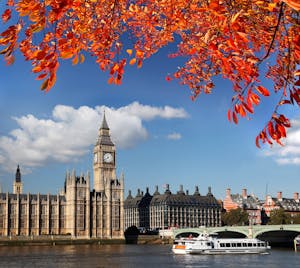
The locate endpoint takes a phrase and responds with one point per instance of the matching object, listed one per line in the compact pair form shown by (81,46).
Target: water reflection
(152,256)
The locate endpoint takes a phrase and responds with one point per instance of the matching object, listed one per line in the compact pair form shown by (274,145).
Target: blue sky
(161,135)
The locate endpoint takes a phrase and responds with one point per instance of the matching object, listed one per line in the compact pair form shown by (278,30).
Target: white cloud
(146,112)
(289,154)
(174,136)
(68,133)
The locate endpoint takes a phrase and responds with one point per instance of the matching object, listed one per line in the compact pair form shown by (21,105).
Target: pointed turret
(18,186)
(104,124)
(18,175)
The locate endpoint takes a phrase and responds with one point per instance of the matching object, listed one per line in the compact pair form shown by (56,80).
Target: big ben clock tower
(104,158)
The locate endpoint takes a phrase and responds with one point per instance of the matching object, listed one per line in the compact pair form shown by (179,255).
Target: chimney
(228,192)
(244,193)
(296,196)
(181,188)
(279,196)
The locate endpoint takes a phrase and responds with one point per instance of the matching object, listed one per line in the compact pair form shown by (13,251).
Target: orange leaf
(132,61)
(66,54)
(111,80)
(41,76)
(45,84)
(36,69)
(255,98)
(262,90)
(82,58)
(139,54)
(293,3)
(75,60)
(129,52)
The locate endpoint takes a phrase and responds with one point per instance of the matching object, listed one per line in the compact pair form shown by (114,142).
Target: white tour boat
(211,244)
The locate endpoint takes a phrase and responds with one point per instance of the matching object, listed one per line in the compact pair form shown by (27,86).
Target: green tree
(235,217)
(279,216)
(296,219)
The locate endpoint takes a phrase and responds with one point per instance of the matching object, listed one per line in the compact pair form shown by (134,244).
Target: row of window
(244,245)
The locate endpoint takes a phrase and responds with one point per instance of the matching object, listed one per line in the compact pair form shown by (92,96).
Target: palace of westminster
(101,212)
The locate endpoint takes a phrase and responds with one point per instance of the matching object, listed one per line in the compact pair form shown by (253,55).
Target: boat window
(244,244)
(254,245)
(222,245)
(249,244)
(208,244)
(238,244)
(228,245)
(234,245)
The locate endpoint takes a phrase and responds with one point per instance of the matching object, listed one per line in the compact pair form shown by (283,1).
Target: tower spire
(104,124)
(104,135)
(18,174)
(18,185)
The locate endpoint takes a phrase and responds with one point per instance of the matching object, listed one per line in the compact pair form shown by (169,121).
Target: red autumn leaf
(229,115)
(281,130)
(284,102)
(41,76)
(168,78)
(234,117)
(6,15)
(271,129)
(257,141)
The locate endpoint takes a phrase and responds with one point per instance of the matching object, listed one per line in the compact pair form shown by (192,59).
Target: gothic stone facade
(76,210)
(162,211)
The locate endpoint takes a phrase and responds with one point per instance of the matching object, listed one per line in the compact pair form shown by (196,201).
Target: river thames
(153,256)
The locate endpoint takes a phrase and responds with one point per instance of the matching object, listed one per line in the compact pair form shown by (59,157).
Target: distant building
(290,205)
(248,203)
(76,210)
(162,211)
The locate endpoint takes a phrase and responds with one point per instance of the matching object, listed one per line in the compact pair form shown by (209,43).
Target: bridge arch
(275,234)
(229,231)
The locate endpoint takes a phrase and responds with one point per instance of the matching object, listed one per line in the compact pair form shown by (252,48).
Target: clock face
(95,158)
(108,158)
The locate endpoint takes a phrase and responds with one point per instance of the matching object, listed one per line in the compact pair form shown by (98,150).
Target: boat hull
(211,245)
(224,252)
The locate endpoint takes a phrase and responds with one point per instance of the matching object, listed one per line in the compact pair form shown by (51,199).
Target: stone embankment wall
(68,240)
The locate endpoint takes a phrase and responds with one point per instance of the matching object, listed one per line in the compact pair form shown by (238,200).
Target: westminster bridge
(275,234)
